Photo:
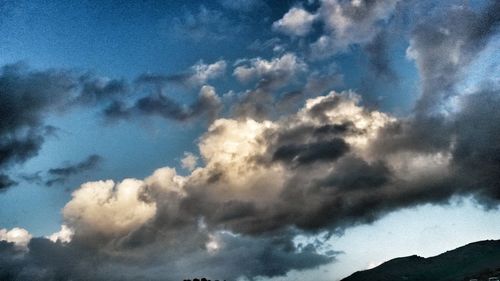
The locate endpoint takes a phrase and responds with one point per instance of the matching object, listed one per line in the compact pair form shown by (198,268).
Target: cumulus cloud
(19,236)
(223,208)
(296,22)
(106,208)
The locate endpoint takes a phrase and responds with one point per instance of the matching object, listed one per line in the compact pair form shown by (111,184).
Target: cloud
(6,182)
(250,199)
(59,175)
(262,180)
(29,96)
(296,22)
(189,161)
(19,236)
(77,263)
(443,46)
(207,104)
(270,76)
(349,22)
(377,51)
(64,235)
(197,75)
(106,208)
(256,174)
(204,24)
(157,103)
(95,90)
(476,145)
(308,153)
(276,71)
(26,99)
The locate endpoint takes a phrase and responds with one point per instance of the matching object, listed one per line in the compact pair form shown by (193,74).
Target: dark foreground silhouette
(479,260)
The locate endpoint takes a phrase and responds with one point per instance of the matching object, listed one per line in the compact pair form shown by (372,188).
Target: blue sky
(247,89)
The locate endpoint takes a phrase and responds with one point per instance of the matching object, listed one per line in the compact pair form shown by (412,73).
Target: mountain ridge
(479,260)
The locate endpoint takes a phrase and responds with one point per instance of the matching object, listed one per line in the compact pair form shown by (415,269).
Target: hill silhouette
(478,260)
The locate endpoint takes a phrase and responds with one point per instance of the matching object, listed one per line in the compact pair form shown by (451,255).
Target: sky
(244,139)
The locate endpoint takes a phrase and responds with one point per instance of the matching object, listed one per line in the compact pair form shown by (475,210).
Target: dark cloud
(32,178)
(207,104)
(95,90)
(429,134)
(443,46)
(6,182)
(165,107)
(197,75)
(26,98)
(311,152)
(116,110)
(353,173)
(256,104)
(378,54)
(61,174)
(476,147)
(65,262)
(273,256)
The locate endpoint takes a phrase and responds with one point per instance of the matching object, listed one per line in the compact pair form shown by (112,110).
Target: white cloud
(165,180)
(204,72)
(296,22)
(106,208)
(346,108)
(64,235)
(229,147)
(19,236)
(283,67)
(213,244)
(349,22)
(189,161)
